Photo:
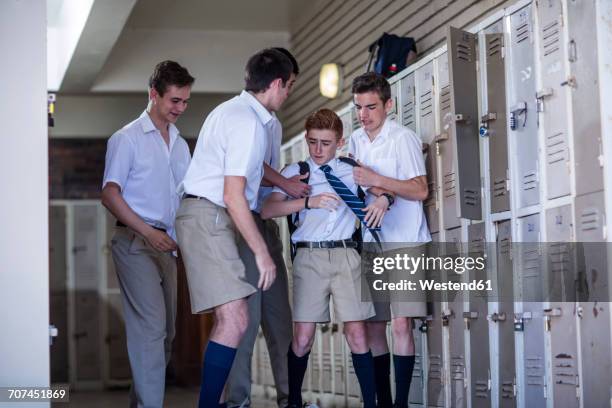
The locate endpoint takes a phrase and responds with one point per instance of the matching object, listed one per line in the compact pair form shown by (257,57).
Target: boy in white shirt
(327,263)
(393,160)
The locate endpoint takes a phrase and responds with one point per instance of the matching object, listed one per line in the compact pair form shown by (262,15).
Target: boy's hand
(295,186)
(365,177)
(329,201)
(375,212)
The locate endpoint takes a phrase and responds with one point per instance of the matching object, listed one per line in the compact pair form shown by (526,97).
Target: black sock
(296,366)
(218,361)
(382,373)
(403,376)
(364,369)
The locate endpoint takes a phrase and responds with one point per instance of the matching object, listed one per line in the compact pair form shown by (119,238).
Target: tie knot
(325,168)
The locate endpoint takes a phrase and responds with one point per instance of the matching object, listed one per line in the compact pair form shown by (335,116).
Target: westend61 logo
(411,264)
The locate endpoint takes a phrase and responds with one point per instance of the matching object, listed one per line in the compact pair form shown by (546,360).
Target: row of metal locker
(510,116)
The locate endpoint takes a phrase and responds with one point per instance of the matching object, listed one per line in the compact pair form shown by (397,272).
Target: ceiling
(122,40)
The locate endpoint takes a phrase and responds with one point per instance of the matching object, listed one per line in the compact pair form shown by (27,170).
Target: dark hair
(264,67)
(168,73)
(324,119)
(372,82)
(296,68)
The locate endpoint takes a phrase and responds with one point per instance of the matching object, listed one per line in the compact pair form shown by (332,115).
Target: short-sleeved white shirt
(232,142)
(275,137)
(395,152)
(147,170)
(319,224)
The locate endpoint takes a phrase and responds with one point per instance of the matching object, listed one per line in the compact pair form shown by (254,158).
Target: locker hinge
(477,66)
(503,52)
(545,389)
(604,232)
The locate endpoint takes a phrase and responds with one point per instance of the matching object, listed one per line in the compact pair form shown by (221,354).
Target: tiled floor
(175,398)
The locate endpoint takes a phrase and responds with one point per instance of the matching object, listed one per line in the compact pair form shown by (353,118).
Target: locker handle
(470,315)
(524,315)
(497,317)
(458,117)
(546,92)
(570,81)
(488,117)
(442,137)
(554,312)
(572,54)
(334,328)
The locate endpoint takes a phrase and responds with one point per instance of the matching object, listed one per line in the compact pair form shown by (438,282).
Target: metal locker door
(559,317)
(493,122)
(522,108)
(504,317)
(58,298)
(86,334)
(551,97)
(531,320)
(393,113)
(594,297)
(444,147)
(478,326)
(584,84)
(408,100)
(426,129)
(463,57)
(453,318)
(435,379)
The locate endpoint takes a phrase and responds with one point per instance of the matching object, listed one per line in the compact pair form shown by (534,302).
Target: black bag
(393,54)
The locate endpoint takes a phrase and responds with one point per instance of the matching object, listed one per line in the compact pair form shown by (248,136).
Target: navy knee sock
(296,366)
(382,373)
(218,361)
(364,369)
(403,376)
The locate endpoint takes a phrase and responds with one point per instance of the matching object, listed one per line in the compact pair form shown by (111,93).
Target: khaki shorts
(321,273)
(400,303)
(207,239)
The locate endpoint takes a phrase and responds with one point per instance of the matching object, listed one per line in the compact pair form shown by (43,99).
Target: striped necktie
(354,203)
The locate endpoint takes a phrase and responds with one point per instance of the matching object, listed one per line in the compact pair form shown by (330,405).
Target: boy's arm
(292,186)
(278,204)
(413,189)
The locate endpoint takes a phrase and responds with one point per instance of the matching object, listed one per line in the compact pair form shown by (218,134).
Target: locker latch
(52,333)
(468,317)
(442,137)
(548,314)
(570,81)
(423,326)
(540,95)
(497,317)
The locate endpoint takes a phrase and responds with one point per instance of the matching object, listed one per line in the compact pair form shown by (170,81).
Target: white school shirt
(147,170)
(232,142)
(272,157)
(320,224)
(395,152)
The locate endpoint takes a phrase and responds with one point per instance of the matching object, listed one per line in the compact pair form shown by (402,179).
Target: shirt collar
(332,163)
(264,115)
(148,126)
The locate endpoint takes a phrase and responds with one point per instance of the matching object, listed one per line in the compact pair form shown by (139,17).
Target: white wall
(24,266)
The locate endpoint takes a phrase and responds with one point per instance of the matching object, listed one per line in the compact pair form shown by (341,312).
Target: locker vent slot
(470,197)
(499,187)
(507,389)
(531,263)
(481,388)
(534,367)
(556,148)
(445,98)
(559,259)
(530,181)
(589,220)
(449,185)
(435,366)
(408,114)
(551,38)
(494,46)
(418,369)
(426,104)
(458,368)
(564,370)
(522,33)
(504,246)
(464,52)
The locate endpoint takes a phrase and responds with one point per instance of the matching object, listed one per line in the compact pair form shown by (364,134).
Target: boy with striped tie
(327,263)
